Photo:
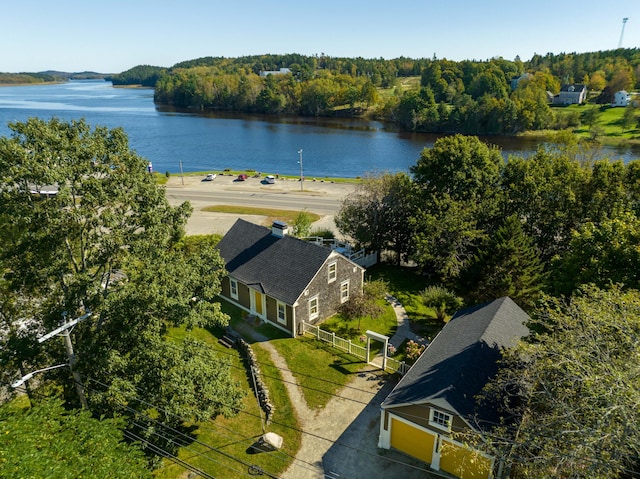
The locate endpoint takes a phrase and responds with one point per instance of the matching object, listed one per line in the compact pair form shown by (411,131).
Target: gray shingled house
(282,279)
(437,396)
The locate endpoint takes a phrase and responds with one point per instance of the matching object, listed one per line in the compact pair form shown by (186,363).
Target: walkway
(404,330)
(341,439)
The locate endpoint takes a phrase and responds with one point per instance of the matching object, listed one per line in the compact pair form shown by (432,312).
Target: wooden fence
(348,347)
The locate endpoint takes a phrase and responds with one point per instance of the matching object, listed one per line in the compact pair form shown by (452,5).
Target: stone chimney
(279,228)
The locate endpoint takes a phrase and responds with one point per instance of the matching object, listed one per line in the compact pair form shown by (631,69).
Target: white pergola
(381,338)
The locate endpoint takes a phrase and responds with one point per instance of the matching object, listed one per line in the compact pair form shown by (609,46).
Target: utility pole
(66,333)
(624,22)
(181,173)
(301,175)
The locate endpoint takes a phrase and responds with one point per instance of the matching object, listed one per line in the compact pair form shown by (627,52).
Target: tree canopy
(47,441)
(84,227)
(494,96)
(570,395)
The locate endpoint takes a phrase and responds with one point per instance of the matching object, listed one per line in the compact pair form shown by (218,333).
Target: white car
(210,177)
(270,179)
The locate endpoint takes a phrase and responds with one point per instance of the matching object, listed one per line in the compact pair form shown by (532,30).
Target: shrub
(413,350)
(441,300)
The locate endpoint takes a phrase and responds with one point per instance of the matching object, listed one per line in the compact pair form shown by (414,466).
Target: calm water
(343,148)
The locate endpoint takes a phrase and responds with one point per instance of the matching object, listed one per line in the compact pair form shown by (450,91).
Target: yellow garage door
(463,462)
(412,441)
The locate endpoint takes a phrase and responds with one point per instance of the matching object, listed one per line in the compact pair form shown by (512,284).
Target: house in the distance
(574,94)
(281,71)
(621,98)
(515,80)
(437,397)
(282,279)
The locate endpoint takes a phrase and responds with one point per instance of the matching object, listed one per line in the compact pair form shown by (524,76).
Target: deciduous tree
(570,395)
(49,441)
(108,241)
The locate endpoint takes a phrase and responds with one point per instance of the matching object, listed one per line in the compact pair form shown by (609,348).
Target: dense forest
(47,77)
(487,228)
(433,95)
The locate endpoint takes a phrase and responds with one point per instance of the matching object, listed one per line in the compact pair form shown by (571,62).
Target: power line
(296,373)
(158,408)
(158,450)
(317,436)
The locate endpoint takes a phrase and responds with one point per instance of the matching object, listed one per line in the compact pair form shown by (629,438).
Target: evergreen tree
(508,265)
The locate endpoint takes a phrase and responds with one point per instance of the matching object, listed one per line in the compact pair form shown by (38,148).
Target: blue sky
(115,35)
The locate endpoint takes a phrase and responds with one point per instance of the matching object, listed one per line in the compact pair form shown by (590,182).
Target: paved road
(323,198)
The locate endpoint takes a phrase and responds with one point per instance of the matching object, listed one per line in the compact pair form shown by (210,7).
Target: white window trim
(317,313)
(437,425)
(333,266)
(344,299)
(233,284)
(284,306)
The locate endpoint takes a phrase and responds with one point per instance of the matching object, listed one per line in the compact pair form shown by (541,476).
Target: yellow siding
(463,462)
(412,441)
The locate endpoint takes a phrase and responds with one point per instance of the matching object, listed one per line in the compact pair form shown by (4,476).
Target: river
(172,140)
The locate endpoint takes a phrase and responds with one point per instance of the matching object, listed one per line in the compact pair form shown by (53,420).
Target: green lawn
(231,438)
(385,324)
(610,120)
(319,369)
(407,284)
(289,216)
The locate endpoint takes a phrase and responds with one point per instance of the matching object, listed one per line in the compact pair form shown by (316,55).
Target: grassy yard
(610,120)
(320,370)
(385,324)
(406,284)
(229,454)
(288,216)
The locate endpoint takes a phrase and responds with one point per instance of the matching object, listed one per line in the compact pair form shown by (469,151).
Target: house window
(333,273)
(344,291)
(313,308)
(233,288)
(440,420)
(282,313)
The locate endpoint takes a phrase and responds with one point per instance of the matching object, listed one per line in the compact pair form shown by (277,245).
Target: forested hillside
(473,97)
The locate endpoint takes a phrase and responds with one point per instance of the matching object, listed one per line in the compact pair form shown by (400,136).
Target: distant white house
(621,98)
(515,80)
(282,71)
(571,95)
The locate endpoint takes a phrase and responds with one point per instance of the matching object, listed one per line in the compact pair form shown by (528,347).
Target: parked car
(270,179)
(210,177)
(242,177)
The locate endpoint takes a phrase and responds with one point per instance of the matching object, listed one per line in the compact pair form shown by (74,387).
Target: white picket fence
(354,349)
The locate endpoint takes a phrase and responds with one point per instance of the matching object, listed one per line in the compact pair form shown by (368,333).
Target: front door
(258,299)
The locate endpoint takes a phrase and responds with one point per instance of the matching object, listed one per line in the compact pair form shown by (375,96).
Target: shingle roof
(462,358)
(280,267)
(577,87)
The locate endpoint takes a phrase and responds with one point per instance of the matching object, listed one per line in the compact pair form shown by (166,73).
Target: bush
(413,350)
(441,300)
(324,233)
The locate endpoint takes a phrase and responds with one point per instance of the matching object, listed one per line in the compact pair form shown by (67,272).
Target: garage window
(440,420)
